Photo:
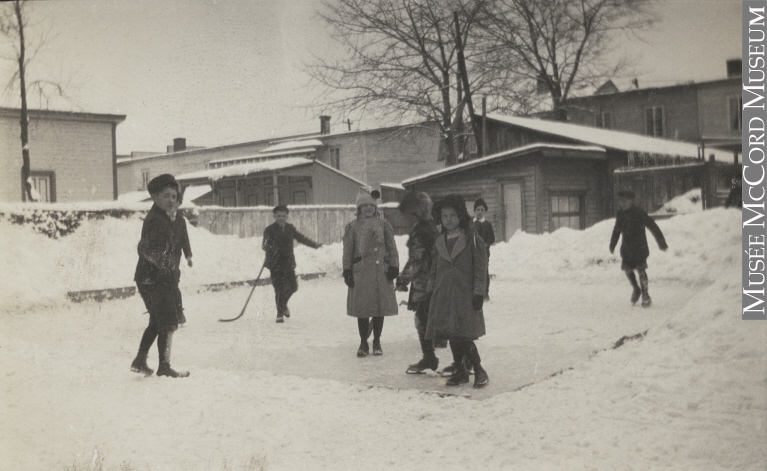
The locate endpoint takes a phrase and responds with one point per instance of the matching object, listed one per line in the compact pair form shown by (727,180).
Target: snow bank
(102,254)
(683,204)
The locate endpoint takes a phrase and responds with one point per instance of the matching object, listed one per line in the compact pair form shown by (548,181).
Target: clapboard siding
(583,176)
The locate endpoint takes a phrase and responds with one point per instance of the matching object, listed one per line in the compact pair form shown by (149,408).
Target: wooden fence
(324,224)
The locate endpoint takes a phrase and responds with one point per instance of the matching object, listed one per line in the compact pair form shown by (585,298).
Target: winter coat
(420,245)
(630,224)
(160,247)
(278,245)
(369,250)
(455,278)
(485,230)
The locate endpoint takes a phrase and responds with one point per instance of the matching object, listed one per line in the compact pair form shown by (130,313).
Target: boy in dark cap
(163,237)
(630,223)
(278,245)
(485,230)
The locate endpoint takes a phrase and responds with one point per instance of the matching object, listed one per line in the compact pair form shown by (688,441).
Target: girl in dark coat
(163,237)
(420,245)
(457,285)
(630,223)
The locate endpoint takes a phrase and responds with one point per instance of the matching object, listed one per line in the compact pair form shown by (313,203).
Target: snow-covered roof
(396,186)
(246,169)
(296,144)
(609,138)
(265,155)
(517,152)
(134,196)
(192,192)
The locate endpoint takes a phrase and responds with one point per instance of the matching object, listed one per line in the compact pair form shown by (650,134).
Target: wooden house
(543,175)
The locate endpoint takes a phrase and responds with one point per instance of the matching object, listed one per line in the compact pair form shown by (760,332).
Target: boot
(164,343)
(459,376)
(637,291)
(286,312)
(377,347)
(280,319)
(364,349)
(139,365)
(645,284)
(480,377)
(426,363)
(166,370)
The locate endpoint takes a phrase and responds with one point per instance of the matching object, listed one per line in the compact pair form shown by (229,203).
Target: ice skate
(363,350)
(459,376)
(635,295)
(423,365)
(139,366)
(646,300)
(166,370)
(481,379)
(286,313)
(280,318)
(377,347)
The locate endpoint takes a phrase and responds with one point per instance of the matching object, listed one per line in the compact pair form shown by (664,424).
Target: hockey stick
(255,283)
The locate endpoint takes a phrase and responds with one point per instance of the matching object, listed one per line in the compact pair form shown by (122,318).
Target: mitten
(477,301)
(391,273)
(349,278)
(400,286)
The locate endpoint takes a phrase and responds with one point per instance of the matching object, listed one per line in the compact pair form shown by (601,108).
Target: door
(512,208)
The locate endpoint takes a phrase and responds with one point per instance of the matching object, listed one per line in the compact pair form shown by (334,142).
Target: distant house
(371,156)
(72,155)
(289,180)
(543,175)
(706,113)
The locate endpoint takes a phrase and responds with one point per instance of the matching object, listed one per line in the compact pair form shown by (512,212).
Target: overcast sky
(227,71)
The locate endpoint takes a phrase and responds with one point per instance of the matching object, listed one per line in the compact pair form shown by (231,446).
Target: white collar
(480,220)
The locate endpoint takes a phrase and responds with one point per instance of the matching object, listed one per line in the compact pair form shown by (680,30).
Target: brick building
(72,155)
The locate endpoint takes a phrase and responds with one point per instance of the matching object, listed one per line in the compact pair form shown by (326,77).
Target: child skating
(163,237)
(280,260)
(630,223)
(370,265)
(457,286)
(420,245)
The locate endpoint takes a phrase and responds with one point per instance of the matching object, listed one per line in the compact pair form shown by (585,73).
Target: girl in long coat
(457,284)
(371,263)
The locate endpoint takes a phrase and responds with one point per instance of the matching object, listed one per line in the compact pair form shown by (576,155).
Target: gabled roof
(608,138)
(517,152)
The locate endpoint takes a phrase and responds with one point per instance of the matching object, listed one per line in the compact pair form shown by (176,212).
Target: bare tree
(403,57)
(14,26)
(554,47)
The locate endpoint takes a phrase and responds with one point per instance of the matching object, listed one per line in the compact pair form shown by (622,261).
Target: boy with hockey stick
(630,223)
(163,237)
(278,245)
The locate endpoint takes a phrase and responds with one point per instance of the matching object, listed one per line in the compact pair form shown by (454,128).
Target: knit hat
(365,196)
(459,206)
(161,182)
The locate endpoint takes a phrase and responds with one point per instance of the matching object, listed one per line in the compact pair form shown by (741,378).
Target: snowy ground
(691,395)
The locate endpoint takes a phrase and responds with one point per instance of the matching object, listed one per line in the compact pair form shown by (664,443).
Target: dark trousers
(285,284)
(162,302)
(465,350)
(421,318)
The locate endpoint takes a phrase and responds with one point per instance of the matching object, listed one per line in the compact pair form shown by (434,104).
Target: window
(566,211)
(604,120)
(735,105)
(335,158)
(144,179)
(654,121)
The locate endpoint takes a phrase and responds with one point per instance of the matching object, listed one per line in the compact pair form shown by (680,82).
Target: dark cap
(161,182)
(280,207)
(628,194)
(480,202)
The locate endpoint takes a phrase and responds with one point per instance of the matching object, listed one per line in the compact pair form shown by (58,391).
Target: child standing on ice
(420,245)
(163,237)
(278,245)
(630,223)
(457,285)
(484,229)
(370,264)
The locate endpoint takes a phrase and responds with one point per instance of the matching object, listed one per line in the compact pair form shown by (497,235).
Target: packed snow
(683,204)
(690,395)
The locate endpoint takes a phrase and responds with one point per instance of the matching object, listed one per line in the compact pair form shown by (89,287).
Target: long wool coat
(455,277)
(369,250)
(420,246)
(631,224)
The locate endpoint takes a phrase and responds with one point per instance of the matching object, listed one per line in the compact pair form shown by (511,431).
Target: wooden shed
(289,180)
(536,188)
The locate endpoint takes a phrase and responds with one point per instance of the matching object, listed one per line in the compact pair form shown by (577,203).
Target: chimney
(324,124)
(179,144)
(635,82)
(734,68)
